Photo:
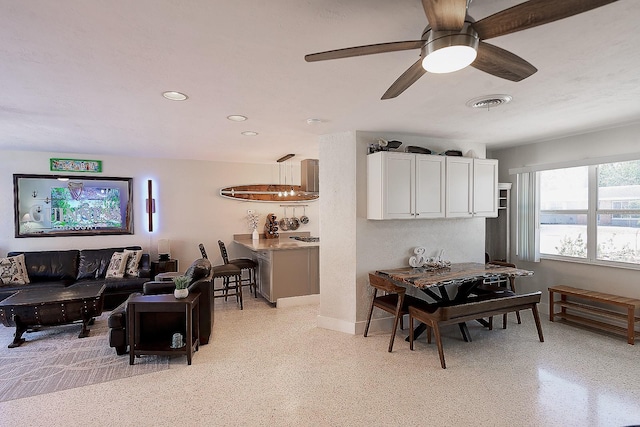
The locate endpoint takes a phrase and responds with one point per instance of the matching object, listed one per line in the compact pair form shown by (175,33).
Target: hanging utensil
(294,222)
(304,218)
(284,222)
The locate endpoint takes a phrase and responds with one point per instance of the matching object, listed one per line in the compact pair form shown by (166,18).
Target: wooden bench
(470,311)
(628,304)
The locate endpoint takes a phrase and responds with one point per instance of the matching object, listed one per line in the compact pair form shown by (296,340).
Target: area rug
(54,359)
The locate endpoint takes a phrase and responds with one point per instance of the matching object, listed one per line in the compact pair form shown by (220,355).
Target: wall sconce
(150,204)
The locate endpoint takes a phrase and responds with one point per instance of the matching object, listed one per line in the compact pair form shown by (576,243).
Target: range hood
(309,175)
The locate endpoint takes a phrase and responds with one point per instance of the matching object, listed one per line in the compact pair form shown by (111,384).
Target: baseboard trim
(296,301)
(336,325)
(357,328)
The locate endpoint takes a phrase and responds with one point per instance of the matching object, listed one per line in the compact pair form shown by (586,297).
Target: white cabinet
(485,187)
(471,187)
(405,185)
(410,186)
(430,176)
(459,188)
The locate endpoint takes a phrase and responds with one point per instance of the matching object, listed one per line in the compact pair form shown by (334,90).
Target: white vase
(255,235)
(181,293)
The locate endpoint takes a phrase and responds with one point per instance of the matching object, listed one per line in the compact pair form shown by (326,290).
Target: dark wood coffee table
(28,308)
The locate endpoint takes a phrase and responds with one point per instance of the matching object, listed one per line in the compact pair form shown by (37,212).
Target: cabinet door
(459,187)
(264,270)
(485,187)
(390,186)
(399,169)
(429,182)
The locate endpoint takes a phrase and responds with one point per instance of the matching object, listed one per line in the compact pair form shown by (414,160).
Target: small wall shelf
(498,237)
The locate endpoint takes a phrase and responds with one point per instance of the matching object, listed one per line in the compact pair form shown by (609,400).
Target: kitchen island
(287,267)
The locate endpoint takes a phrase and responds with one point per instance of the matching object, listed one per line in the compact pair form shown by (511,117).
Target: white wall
(352,246)
(189,207)
(605,143)
(338,244)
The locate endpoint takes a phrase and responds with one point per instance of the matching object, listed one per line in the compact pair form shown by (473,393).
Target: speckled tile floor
(274,367)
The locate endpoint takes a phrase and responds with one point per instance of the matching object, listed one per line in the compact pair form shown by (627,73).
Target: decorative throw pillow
(13,270)
(117,266)
(133,260)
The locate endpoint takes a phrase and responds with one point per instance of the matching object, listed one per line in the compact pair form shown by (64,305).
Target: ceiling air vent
(489,101)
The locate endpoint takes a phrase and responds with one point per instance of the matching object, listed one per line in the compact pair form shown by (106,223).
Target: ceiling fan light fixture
(449,59)
(449,51)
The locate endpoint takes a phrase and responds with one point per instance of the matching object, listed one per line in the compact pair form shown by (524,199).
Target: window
(564,204)
(591,212)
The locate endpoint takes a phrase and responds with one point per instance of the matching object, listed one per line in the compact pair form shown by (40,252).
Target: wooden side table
(161,344)
(168,266)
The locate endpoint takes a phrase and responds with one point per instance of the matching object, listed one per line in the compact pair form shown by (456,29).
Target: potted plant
(181,283)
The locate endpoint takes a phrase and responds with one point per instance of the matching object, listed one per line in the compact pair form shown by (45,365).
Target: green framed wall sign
(75,165)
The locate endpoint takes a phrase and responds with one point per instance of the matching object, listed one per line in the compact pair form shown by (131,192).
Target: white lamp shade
(164,248)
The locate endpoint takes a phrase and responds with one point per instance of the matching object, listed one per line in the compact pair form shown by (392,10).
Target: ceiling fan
(453,40)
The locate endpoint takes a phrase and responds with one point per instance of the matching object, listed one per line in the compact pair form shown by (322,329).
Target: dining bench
(454,314)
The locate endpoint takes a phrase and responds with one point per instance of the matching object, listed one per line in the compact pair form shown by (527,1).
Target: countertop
(283,243)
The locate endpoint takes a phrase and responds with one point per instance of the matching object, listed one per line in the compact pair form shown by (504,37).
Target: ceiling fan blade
(501,63)
(407,78)
(364,50)
(445,15)
(531,14)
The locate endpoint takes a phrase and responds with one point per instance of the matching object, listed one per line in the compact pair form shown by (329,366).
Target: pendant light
(280,179)
(280,161)
(292,193)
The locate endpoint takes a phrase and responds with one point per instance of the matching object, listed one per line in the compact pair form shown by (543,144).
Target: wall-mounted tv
(61,205)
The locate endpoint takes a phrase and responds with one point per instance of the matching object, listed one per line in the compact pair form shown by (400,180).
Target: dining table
(439,282)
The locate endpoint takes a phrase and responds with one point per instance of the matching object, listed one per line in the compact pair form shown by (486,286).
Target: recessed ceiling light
(489,101)
(249,133)
(174,96)
(314,121)
(236,118)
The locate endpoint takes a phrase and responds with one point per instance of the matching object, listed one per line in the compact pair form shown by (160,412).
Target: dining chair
(244,264)
(500,285)
(394,301)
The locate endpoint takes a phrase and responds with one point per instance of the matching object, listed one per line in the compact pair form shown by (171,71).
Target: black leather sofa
(200,272)
(85,266)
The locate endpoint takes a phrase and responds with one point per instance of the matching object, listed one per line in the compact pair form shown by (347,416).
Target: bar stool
(231,282)
(245,264)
